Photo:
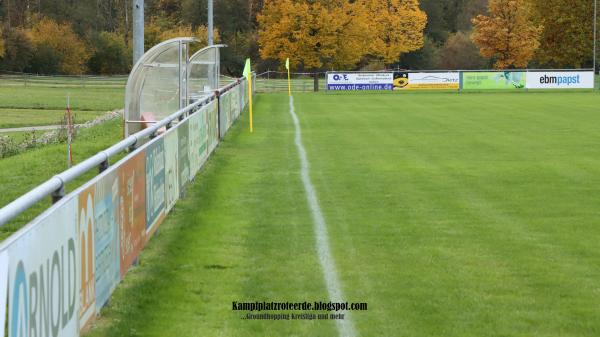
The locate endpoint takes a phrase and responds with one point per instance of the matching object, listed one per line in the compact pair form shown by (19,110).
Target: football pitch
(449,215)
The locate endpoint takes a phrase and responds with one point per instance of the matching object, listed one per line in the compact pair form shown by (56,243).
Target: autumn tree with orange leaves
(62,39)
(507,34)
(339,33)
(396,27)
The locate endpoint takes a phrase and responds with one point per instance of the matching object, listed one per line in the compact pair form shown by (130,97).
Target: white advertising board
(44,282)
(3,288)
(171,170)
(560,80)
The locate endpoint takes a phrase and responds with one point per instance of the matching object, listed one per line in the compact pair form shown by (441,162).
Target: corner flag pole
(250,100)
(287,66)
(248,75)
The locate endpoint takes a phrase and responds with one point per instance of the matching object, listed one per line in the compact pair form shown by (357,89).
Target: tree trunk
(126,34)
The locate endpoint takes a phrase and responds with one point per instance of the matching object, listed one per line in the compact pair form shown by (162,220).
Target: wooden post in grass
(69,121)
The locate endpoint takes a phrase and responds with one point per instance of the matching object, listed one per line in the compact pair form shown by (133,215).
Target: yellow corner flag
(287,66)
(248,76)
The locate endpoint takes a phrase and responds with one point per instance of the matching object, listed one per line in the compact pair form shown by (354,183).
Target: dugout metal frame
(159,82)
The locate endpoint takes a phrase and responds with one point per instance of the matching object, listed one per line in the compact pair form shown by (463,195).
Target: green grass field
(15,118)
(31,80)
(450,215)
(22,172)
(42,101)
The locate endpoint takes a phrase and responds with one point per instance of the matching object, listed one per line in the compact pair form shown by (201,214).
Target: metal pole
(210,22)
(138,30)
(595,30)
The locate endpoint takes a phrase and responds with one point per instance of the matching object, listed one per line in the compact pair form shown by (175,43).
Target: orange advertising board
(132,195)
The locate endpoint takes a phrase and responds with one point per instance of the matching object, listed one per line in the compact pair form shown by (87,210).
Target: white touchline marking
(345,326)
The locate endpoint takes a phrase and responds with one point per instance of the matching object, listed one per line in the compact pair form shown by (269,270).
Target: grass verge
(241,234)
(22,172)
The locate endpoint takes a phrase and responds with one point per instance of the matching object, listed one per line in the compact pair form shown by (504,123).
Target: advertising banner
(194,145)
(244,91)
(497,80)
(155,185)
(242,96)
(85,230)
(407,80)
(360,81)
(183,166)
(560,80)
(171,170)
(132,193)
(3,289)
(62,268)
(106,236)
(204,133)
(235,105)
(224,106)
(43,275)
(213,125)
(229,111)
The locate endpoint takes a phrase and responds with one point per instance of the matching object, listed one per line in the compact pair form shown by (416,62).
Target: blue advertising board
(155,183)
(360,81)
(106,237)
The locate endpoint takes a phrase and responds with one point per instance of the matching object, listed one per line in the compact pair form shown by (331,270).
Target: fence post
(103,166)
(58,194)
(218,97)
(460,81)
(240,99)
(316,82)
(133,146)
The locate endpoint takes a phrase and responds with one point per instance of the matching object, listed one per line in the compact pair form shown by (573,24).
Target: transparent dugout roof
(166,79)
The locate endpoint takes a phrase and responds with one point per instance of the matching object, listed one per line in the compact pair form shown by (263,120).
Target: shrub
(62,39)
(110,54)
(45,60)
(18,50)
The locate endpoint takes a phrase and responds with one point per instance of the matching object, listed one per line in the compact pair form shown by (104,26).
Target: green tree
(567,38)
(61,37)
(44,60)
(110,55)
(2,50)
(426,58)
(469,10)
(18,50)
(459,52)
(437,28)
(194,12)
